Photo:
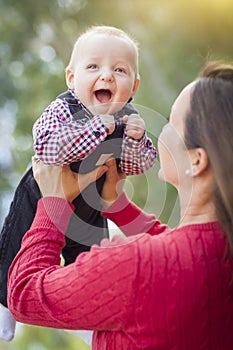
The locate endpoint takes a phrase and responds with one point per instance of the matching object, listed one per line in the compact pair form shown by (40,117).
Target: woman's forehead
(181,106)
(182,103)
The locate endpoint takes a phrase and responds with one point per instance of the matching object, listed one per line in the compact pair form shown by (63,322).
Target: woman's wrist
(107,203)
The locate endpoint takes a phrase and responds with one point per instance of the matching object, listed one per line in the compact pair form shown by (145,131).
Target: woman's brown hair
(209,124)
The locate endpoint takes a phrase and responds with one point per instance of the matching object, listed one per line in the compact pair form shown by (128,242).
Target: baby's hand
(109,122)
(135,126)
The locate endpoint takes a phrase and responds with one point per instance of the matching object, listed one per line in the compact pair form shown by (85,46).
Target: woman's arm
(131,219)
(94,292)
(124,213)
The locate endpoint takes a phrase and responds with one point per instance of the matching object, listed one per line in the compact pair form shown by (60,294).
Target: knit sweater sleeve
(92,293)
(131,219)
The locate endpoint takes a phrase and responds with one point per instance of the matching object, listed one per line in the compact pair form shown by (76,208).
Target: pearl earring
(188,172)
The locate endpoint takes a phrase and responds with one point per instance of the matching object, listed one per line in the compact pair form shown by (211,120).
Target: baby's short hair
(109,30)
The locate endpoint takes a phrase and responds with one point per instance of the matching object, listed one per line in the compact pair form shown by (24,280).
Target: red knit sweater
(169,289)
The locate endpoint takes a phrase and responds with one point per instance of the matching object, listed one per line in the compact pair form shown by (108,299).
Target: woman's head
(208,125)
(196,146)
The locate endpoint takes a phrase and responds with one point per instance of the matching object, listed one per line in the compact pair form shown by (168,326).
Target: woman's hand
(61,181)
(113,185)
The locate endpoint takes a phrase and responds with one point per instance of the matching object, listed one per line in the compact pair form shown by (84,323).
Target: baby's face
(104,77)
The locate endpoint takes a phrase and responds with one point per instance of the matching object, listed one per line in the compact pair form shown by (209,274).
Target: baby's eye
(92,66)
(120,70)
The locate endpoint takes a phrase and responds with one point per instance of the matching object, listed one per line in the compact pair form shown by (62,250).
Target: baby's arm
(138,152)
(60,139)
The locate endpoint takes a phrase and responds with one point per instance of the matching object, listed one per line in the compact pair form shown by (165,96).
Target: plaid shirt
(61,139)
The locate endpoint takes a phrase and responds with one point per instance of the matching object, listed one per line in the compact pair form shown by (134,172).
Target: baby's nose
(106,75)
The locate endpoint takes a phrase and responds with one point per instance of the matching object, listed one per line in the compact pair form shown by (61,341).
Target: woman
(165,288)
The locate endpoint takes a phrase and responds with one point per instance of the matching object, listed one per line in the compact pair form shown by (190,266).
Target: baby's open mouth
(103,96)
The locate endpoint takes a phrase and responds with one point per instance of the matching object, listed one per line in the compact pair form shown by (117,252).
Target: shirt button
(96,133)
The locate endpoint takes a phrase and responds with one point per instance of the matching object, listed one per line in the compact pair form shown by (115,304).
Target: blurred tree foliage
(176,37)
(39,338)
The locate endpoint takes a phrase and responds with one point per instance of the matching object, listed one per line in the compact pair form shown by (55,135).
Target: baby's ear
(135,87)
(69,78)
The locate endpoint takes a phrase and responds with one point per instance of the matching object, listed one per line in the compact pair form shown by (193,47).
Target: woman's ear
(199,161)
(69,78)
(135,87)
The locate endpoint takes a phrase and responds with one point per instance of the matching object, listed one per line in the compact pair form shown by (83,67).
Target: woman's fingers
(114,182)
(85,180)
(61,181)
(48,178)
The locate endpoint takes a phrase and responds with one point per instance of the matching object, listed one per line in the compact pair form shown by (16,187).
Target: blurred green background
(176,37)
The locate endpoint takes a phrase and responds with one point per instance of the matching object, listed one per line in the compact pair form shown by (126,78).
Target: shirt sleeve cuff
(121,211)
(53,211)
(135,144)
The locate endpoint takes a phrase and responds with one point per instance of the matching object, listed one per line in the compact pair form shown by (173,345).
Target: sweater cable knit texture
(163,289)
